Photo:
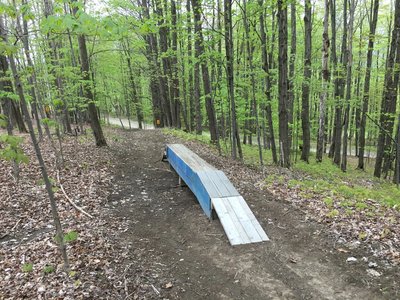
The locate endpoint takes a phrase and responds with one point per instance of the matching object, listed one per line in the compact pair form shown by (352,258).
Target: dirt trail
(175,252)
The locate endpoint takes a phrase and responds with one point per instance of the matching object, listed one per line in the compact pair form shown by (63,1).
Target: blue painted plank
(192,180)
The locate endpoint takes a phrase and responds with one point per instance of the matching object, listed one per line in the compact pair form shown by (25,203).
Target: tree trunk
(283,86)
(166,64)
(32,77)
(253,81)
(388,106)
(365,100)
(236,146)
(305,110)
(192,112)
(160,116)
(136,100)
(292,62)
(339,91)
(349,50)
(267,60)
(325,79)
(199,52)
(55,61)
(87,91)
(175,92)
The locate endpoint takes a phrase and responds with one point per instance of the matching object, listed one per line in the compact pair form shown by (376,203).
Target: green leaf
(70,237)
(28,267)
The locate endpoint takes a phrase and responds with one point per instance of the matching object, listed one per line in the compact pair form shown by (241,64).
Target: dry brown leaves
(27,232)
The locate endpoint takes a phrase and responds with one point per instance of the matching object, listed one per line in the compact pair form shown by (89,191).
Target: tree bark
(236,146)
(349,50)
(283,86)
(267,61)
(87,91)
(325,79)
(166,64)
(253,81)
(305,109)
(199,52)
(388,106)
(367,80)
(339,91)
(292,62)
(55,61)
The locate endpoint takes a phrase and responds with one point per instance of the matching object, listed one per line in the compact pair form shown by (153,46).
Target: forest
(308,87)
(287,77)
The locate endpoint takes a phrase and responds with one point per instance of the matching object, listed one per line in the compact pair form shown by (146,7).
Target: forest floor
(149,238)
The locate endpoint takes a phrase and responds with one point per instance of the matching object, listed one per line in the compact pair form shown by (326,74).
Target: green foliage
(333,213)
(48,269)
(72,274)
(49,122)
(353,187)
(70,237)
(11,150)
(27,267)
(3,120)
(328,202)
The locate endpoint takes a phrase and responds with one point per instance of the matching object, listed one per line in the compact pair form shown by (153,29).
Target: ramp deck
(213,190)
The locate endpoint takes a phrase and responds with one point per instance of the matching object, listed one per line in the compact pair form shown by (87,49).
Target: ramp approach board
(213,190)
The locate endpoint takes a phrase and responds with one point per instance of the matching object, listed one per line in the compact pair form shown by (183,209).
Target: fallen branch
(69,199)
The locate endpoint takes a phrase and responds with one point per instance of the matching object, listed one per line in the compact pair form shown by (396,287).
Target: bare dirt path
(173,251)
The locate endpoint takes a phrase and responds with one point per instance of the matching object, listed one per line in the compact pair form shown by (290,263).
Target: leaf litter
(30,264)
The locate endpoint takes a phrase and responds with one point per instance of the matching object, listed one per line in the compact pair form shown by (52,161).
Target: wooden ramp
(215,192)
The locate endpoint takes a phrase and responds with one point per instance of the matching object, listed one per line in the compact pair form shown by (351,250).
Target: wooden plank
(245,219)
(209,185)
(223,191)
(190,158)
(253,219)
(237,225)
(223,180)
(226,221)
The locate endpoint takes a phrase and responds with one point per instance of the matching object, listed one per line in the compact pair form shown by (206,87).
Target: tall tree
(267,60)
(389,97)
(305,109)
(325,79)
(199,53)
(292,64)
(236,146)
(283,86)
(175,92)
(87,89)
(166,64)
(349,66)
(367,81)
(54,55)
(340,75)
(253,79)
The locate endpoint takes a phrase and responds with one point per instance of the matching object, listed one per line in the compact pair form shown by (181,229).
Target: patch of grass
(353,186)
(70,237)
(48,269)
(333,213)
(328,202)
(28,267)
